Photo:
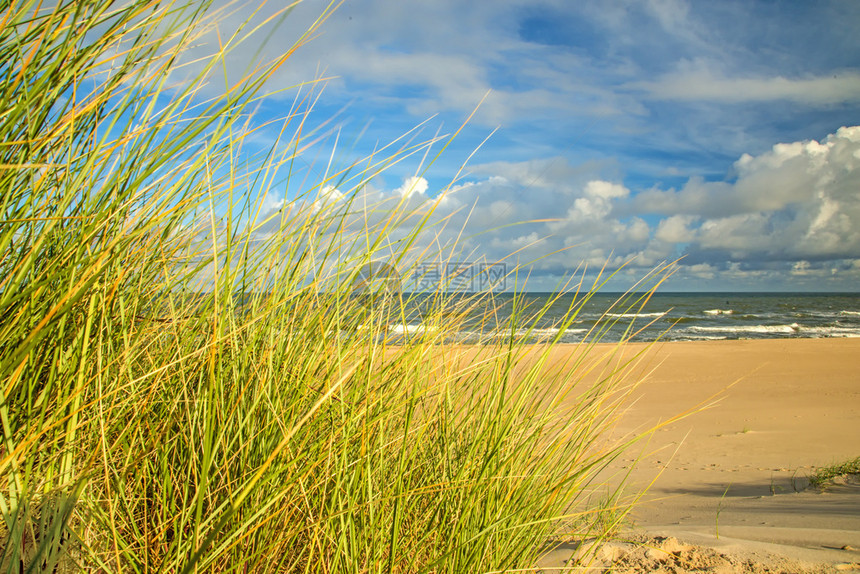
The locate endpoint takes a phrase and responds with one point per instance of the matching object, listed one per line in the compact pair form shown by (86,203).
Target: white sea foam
(402,329)
(718,312)
(551,332)
(635,315)
(792,329)
(826,331)
(705,337)
(548,332)
(761,329)
(539,334)
(850,313)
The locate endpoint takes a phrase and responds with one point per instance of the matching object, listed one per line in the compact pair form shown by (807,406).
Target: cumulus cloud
(675,229)
(272,202)
(413,186)
(791,212)
(794,209)
(328,195)
(596,202)
(798,200)
(591,76)
(664,88)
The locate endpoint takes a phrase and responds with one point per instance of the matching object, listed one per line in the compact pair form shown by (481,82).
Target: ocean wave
(718,312)
(792,329)
(635,315)
(537,334)
(840,332)
(543,334)
(760,329)
(815,314)
(699,338)
(402,329)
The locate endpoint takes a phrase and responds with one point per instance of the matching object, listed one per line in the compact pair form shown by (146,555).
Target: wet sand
(770,411)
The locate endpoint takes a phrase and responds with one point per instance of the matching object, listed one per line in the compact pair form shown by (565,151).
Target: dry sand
(779,408)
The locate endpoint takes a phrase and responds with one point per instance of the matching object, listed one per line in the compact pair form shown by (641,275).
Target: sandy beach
(729,490)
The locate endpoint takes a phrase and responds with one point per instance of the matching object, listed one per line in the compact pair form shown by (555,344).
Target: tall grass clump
(193,383)
(825,475)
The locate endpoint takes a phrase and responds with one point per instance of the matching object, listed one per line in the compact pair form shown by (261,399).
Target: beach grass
(190,382)
(825,475)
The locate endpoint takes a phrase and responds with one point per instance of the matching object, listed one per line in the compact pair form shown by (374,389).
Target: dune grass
(189,387)
(825,475)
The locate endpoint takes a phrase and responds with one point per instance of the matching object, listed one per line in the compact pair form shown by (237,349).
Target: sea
(610,317)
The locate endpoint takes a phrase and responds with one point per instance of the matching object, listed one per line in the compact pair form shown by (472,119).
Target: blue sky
(626,130)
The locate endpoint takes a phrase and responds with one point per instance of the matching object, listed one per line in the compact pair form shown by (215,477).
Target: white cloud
(675,229)
(703,270)
(413,186)
(799,201)
(800,268)
(793,211)
(272,202)
(328,196)
(697,81)
(597,201)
